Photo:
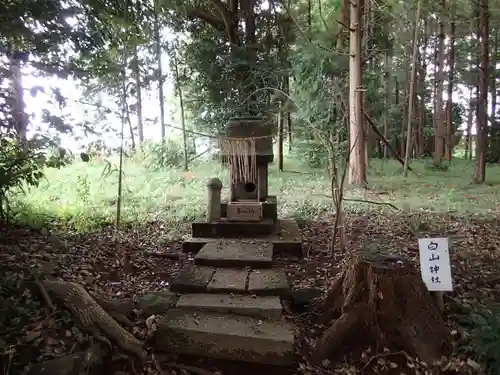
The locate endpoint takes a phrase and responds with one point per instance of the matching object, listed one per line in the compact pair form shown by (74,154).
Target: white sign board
(435,264)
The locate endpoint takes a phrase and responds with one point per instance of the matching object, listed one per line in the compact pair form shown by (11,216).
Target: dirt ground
(29,332)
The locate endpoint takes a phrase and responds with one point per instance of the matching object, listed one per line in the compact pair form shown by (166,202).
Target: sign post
(435,267)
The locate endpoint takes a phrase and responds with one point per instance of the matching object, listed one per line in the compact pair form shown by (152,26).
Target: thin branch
(372,202)
(362,201)
(344,25)
(208,17)
(386,142)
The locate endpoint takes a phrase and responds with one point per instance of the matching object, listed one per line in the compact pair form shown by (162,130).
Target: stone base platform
(233,229)
(226,336)
(259,282)
(286,240)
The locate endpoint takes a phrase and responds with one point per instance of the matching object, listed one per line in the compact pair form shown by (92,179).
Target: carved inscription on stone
(244,211)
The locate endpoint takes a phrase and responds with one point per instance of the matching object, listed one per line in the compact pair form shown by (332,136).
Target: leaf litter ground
(29,332)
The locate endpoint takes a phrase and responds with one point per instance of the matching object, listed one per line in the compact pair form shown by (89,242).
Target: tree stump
(381,301)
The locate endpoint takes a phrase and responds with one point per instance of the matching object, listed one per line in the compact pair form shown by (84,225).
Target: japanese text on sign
(435,264)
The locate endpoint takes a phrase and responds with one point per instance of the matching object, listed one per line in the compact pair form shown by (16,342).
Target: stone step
(268,308)
(237,253)
(192,279)
(233,229)
(269,282)
(286,242)
(261,282)
(225,336)
(228,280)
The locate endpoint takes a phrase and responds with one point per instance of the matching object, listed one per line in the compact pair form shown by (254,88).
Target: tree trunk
(181,105)
(281,121)
(495,125)
(387,70)
(344,19)
(493,82)
(281,113)
(289,124)
(19,108)
(286,89)
(357,166)
(366,135)
(482,132)
(374,298)
(247,8)
(396,104)
(470,117)
(404,100)
(309,20)
(412,87)
(449,105)
(421,105)
(126,113)
(365,64)
(161,96)
(137,68)
(434,95)
(130,127)
(439,137)
(422,91)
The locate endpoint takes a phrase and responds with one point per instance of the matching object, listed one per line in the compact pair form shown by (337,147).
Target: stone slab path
(230,304)
(226,336)
(256,254)
(199,279)
(264,307)
(228,280)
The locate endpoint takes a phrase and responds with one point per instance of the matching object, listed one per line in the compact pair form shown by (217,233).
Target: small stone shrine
(247,152)
(230,304)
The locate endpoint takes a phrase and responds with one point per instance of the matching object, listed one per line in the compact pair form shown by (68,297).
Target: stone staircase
(230,304)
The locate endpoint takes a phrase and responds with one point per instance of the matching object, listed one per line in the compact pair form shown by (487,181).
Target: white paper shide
(435,264)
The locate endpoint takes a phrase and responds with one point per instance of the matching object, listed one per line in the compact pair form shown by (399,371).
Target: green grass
(83,196)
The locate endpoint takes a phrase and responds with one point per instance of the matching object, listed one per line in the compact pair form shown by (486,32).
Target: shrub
(159,155)
(19,165)
(22,164)
(485,338)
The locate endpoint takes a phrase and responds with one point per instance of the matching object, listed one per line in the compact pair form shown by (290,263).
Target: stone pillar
(262,182)
(214,199)
(232,187)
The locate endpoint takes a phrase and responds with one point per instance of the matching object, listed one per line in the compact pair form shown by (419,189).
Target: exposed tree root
(86,362)
(382,301)
(171,365)
(118,310)
(45,296)
(94,317)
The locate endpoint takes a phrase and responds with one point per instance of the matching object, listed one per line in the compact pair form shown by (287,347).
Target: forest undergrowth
(83,195)
(430,203)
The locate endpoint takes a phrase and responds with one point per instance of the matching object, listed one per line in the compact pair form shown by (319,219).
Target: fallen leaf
(31,335)
(52,341)
(473,364)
